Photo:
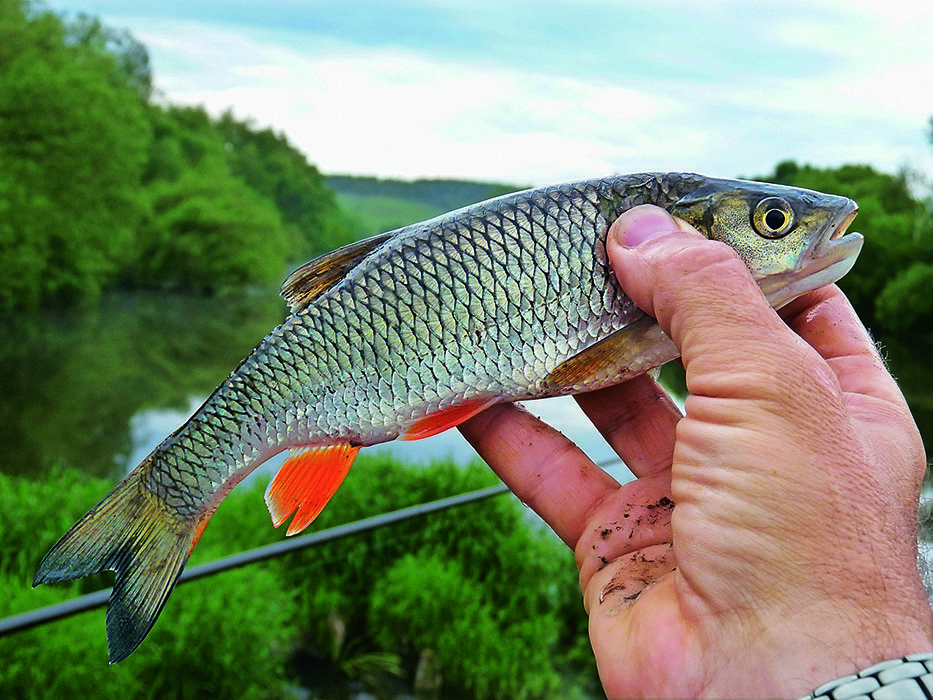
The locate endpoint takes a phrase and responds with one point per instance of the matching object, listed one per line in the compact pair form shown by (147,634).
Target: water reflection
(70,381)
(97,388)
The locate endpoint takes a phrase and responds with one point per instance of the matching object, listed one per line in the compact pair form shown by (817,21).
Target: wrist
(905,677)
(816,648)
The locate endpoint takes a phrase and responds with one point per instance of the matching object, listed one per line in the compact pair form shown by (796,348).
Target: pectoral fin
(638,347)
(306,482)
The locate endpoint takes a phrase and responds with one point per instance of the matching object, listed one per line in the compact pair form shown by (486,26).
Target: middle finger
(638,419)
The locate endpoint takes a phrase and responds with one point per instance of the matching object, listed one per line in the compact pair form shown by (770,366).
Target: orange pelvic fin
(306,482)
(439,421)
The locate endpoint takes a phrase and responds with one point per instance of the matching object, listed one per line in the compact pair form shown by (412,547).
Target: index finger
(540,465)
(825,319)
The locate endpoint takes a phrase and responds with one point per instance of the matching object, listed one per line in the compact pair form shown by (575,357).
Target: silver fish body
(415,330)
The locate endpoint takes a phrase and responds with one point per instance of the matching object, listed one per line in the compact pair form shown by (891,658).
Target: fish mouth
(826,262)
(846,222)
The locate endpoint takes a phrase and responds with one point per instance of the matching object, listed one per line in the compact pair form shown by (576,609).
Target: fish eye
(773,217)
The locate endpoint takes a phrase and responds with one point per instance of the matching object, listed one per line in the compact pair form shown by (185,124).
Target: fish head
(792,240)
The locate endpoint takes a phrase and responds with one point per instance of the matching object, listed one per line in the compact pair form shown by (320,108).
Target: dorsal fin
(313,278)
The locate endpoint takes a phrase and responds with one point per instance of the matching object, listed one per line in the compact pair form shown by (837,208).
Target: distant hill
(382,205)
(440,194)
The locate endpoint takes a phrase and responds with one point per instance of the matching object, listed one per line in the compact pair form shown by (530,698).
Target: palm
(683,601)
(646,645)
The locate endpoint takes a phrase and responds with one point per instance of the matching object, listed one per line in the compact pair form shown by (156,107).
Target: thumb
(699,290)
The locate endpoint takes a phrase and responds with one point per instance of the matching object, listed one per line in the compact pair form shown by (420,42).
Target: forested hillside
(102,185)
(442,194)
(378,205)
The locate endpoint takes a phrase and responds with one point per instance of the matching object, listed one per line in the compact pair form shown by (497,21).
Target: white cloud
(404,114)
(411,112)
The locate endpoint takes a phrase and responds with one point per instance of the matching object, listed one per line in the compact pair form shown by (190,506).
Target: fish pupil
(775,219)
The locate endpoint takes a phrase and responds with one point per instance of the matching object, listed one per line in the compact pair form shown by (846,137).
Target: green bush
(489,592)
(227,636)
(905,303)
(429,603)
(509,579)
(209,231)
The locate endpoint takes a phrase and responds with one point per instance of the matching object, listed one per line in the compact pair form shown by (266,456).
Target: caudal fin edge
(147,545)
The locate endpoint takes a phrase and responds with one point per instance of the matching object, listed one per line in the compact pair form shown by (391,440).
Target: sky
(532,93)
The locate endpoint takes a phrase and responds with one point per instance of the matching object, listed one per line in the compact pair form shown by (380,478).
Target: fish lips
(828,260)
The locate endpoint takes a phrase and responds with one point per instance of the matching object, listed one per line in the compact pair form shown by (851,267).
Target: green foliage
(183,138)
(229,205)
(209,231)
(99,187)
(432,603)
(856,181)
(275,169)
(490,594)
(130,58)
(906,302)
(222,640)
(73,139)
(518,622)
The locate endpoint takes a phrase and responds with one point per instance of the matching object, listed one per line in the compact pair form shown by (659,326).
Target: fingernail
(641,224)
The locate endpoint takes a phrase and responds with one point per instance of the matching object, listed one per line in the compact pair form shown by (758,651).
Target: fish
(413,331)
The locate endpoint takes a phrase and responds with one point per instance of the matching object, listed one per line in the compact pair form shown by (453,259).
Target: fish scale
(369,365)
(413,331)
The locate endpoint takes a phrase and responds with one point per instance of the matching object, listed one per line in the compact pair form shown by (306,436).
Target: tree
(208,231)
(271,166)
(906,303)
(244,194)
(72,147)
(130,58)
(182,139)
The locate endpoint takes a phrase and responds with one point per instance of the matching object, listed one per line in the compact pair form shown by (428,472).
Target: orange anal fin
(306,482)
(439,421)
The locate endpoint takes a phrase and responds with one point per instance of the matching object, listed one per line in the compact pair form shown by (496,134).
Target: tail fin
(133,533)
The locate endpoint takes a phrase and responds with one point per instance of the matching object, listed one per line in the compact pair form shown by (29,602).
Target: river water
(97,388)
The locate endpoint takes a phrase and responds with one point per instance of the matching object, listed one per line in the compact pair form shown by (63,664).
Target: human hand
(768,543)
